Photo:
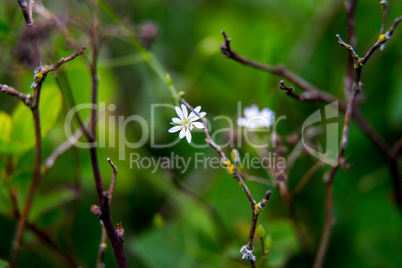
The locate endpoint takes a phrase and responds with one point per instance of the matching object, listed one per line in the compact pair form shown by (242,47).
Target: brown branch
(382,39)
(208,137)
(56,66)
(288,90)
(358,65)
(26,8)
(113,181)
(311,92)
(25,98)
(234,171)
(104,210)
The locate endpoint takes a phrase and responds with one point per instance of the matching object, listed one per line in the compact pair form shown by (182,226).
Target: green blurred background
(165,226)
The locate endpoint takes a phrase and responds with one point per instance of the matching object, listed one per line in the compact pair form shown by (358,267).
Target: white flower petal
(188,136)
(175,129)
(198,125)
(251,111)
(179,112)
(241,121)
(193,114)
(176,120)
(184,109)
(183,133)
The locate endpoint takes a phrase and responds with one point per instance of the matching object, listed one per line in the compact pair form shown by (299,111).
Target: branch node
(120,232)
(96,211)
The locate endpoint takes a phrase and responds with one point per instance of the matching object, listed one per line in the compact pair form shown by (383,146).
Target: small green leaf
(4,264)
(261,231)
(6,127)
(46,202)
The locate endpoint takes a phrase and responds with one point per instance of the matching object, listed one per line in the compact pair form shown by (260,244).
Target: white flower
(185,123)
(254,118)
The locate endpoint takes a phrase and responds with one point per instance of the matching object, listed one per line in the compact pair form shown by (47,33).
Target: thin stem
(113,181)
(311,92)
(306,178)
(288,90)
(234,171)
(328,180)
(25,98)
(102,248)
(384,7)
(328,225)
(350,11)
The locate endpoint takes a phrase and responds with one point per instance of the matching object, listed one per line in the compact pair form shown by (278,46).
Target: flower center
(186,123)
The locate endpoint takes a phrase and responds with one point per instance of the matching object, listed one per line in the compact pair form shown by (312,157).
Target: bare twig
(25,98)
(382,39)
(113,181)
(102,248)
(329,218)
(103,212)
(26,8)
(234,171)
(60,62)
(311,92)
(350,11)
(288,90)
(384,7)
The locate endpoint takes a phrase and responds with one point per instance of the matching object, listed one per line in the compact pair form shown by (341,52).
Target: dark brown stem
(288,90)
(103,198)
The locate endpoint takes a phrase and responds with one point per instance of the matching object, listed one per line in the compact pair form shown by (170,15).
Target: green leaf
(46,202)
(284,242)
(22,136)
(261,231)
(5,204)
(5,127)
(4,264)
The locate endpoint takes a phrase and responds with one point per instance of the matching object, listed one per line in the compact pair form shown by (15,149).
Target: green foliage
(166,226)
(3,264)
(18,136)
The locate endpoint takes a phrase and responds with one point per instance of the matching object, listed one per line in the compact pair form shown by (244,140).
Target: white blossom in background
(254,118)
(186,123)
